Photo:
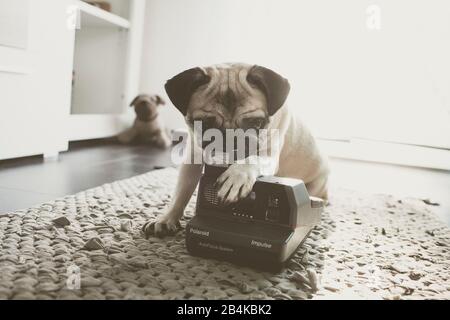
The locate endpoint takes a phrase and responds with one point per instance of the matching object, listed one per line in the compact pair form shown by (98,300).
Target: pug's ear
(160,101)
(181,87)
(133,103)
(275,87)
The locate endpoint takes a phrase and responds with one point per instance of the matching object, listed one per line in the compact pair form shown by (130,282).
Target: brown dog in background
(148,126)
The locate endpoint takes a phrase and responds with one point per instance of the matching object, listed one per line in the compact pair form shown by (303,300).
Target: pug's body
(148,126)
(241,96)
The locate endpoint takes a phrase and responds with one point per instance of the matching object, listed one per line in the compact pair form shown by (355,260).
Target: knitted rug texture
(90,246)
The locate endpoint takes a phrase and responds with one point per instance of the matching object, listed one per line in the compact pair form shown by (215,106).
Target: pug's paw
(165,225)
(236,183)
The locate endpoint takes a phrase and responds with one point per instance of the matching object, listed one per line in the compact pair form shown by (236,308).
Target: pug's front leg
(128,135)
(162,140)
(236,183)
(168,223)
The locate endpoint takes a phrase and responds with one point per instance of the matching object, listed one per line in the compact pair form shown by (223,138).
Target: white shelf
(95,17)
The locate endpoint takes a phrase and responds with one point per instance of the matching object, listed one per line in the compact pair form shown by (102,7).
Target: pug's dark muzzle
(237,143)
(145,114)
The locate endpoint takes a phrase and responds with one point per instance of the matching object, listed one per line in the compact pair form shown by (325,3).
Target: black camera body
(262,231)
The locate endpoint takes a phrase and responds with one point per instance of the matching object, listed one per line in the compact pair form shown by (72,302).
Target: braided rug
(90,246)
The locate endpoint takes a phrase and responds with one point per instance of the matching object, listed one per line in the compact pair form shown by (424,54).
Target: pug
(148,126)
(240,96)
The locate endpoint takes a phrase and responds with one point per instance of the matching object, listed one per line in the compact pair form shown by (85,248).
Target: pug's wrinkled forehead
(229,93)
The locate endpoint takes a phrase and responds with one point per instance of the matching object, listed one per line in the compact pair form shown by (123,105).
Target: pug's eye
(208,122)
(254,123)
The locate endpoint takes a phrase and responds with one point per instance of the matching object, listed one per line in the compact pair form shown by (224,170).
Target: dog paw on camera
(161,228)
(236,183)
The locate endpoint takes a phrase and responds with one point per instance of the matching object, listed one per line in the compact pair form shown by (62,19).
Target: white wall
(347,80)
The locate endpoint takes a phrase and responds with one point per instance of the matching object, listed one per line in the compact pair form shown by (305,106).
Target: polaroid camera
(261,231)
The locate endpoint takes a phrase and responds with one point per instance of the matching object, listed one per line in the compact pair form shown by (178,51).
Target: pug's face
(146,106)
(228,96)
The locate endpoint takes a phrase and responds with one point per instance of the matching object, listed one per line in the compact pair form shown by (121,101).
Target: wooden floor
(30,181)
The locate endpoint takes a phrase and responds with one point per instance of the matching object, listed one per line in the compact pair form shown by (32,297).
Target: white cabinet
(40,109)
(35,71)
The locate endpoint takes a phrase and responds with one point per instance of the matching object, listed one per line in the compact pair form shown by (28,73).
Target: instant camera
(261,231)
